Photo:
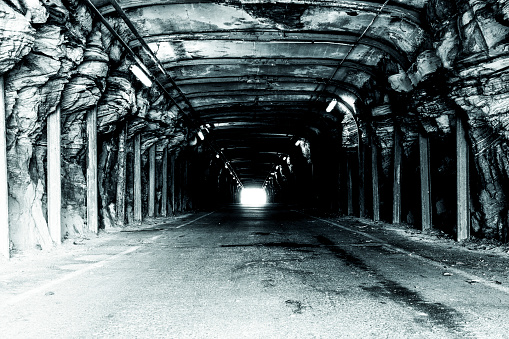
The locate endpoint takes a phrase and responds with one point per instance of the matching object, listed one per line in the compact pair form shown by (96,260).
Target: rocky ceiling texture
(255,77)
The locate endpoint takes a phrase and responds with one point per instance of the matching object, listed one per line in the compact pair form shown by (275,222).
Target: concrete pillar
(396,183)
(424,162)
(374,180)
(164,192)
(152,180)
(137,178)
(4,193)
(54,187)
(92,188)
(462,183)
(121,176)
(349,185)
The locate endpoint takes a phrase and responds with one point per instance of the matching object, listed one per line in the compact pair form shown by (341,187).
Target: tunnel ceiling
(260,74)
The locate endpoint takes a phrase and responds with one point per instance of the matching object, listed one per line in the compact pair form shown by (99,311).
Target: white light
(331,105)
(217,156)
(200,135)
(253,197)
(141,75)
(350,100)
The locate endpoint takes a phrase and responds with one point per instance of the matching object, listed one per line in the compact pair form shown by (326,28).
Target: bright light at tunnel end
(253,197)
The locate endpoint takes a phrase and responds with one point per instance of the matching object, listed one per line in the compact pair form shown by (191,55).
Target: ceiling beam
(407,12)
(273,36)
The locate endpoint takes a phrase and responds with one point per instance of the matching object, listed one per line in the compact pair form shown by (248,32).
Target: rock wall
(479,88)
(55,56)
(465,75)
(33,91)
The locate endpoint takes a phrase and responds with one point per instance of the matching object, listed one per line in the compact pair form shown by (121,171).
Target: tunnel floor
(264,272)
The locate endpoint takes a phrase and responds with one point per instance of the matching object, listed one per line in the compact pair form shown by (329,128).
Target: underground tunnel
(112,112)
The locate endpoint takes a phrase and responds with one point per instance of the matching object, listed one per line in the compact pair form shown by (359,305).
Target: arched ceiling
(261,73)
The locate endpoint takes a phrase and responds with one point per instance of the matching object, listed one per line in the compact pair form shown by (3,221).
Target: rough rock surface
(64,62)
(17,36)
(479,90)
(464,74)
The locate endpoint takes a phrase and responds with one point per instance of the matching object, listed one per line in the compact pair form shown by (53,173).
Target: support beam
(4,190)
(164,192)
(424,162)
(362,201)
(183,186)
(396,183)
(54,187)
(179,182)
(121,176)
(314,186)
(137,178)
(462,183)
(152,180)
(172,184)
(92,188)
(374,180)
(189,189)
(349,185)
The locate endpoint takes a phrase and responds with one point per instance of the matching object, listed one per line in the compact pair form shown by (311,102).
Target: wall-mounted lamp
(200,135)
(331,105)
(141,75)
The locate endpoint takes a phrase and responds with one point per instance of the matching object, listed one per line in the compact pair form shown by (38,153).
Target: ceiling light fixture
(331,105)
(200,135)
(141,75)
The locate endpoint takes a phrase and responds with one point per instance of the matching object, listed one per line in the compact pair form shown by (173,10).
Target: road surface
(250,272)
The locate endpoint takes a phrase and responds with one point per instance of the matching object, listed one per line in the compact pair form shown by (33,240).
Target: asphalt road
(249,273)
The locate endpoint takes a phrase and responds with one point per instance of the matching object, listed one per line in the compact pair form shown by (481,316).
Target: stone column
(92,188)
(396,183)
(152,180)
(164,192)
(424,162)
(4,193)
(137,178)
(121,176)
(54,187)
(462,183)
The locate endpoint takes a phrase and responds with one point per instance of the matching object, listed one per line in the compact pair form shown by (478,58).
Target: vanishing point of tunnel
(118,114)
